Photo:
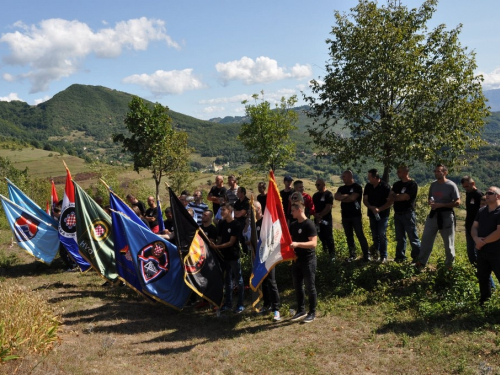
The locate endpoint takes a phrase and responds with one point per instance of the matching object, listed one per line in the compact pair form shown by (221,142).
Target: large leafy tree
(267,136)
(153,142)
(396,92)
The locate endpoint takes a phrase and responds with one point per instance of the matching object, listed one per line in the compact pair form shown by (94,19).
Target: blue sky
(201,58)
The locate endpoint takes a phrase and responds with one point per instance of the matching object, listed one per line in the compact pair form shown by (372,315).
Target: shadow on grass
(35,268)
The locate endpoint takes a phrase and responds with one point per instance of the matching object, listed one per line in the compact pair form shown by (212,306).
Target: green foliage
(154,144)
(267,135)
(7,261)
(405,94)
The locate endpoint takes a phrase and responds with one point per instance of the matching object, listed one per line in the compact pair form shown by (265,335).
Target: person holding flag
(305,238)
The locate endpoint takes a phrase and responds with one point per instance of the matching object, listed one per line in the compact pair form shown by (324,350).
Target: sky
(200,58)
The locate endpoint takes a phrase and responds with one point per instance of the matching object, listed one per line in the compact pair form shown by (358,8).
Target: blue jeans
(379,230)
(406,224)
(233,270)
(351,225)
(304,272)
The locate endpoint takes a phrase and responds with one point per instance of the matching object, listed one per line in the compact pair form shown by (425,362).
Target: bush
(27,325)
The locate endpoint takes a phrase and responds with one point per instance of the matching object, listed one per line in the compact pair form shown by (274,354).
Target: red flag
(53,197)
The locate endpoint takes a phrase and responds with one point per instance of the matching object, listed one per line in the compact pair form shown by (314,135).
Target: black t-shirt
(320,200)
(169,225)
(301,232)
(210,231)
(225,231)
(152,212)
(409,187)
(377,196)
(242,205)
(472,204)
(285,196)
(141,207)
(488,222)
(262,199)
(258,226)
(351,209)
(217,192)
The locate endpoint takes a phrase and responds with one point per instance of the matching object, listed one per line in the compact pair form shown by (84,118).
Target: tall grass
(27,323)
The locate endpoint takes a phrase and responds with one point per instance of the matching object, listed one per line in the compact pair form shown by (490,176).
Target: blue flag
(124,264)
(18,197)
(157,263)
(119,205)
(37,237)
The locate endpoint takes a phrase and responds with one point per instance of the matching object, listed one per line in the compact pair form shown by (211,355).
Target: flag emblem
(26,228)
(154,261)
(100,230)
(197,255)
(68,220)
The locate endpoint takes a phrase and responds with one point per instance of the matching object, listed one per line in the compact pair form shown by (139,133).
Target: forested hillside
(82,119)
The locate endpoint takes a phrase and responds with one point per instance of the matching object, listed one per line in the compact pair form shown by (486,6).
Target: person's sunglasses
(490,193)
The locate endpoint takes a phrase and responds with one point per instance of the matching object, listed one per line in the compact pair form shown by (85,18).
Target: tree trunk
(387,170)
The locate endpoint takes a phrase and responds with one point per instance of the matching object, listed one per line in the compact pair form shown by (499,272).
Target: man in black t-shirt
(207,227)
(350,197)
(228,230)
(486,235)
(404,194)
(216,193)
(241,208)
(304,241)
(262,197)
(323,203)
(285,196)
(472,202)
(151,215)
(135,202)
(375,198)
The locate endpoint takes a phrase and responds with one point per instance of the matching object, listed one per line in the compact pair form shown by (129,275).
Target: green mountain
(81,120)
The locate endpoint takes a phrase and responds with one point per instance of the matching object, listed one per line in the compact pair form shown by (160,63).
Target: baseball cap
(288,178)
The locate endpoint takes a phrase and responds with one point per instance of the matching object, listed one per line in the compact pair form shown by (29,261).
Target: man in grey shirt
(443,197)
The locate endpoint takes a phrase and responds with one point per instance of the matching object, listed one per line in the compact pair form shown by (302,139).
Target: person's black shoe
(309,318)
(300,315)
(366,259)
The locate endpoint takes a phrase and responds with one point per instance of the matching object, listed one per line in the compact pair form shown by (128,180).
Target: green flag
(94,237)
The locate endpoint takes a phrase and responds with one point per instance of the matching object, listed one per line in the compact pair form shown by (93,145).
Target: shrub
(27,324)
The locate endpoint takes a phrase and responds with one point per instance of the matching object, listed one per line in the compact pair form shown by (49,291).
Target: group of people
(309,218)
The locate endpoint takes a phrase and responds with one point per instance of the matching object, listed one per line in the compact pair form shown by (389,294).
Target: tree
(395,92)
(153,143)
(267,136)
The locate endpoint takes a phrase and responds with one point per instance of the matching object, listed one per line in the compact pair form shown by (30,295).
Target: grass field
(366,331)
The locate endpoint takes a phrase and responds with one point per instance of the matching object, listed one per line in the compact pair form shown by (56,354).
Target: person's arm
(351,198)
(240,213)
(366,203)
(325,211)
(479,241)
(311,244)
(225,245)
(340,197)
(452,204)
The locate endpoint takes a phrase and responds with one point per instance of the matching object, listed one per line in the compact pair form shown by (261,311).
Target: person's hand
(480,243)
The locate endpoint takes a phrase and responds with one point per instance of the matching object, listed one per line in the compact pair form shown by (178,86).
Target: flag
(257,293)
(94,236)
(54,199)
(67,224)
(202,269)
(124,264)
(157,263)
(161,224)
(273,245)
(47,208)
(21,199)
(32,234)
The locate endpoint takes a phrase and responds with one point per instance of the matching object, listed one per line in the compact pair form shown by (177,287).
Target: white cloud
(231,99)
(262,70)
(213,109)
(9,77)
(491,80)
(12,96)
(41,100)
(54,48)
(167,82)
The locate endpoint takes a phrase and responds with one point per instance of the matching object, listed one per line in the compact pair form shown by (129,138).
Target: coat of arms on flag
(154,261)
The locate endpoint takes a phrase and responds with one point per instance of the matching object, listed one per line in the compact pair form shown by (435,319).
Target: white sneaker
(276,316)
